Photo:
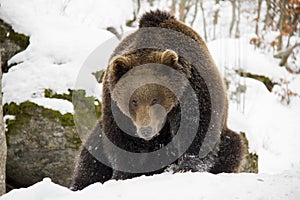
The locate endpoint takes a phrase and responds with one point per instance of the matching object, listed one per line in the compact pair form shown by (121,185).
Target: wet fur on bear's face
(146,88)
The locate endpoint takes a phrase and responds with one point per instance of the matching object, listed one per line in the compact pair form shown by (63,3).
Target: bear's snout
(146,131)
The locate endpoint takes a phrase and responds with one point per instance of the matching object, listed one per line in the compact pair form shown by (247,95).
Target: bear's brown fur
(147,87)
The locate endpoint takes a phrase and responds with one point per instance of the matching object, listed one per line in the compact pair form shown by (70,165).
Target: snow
(271,128)
(62,105)
(60,41)
(198,186)
(99,14)
(238,53)
(68,42)
(8,117)
(38,191)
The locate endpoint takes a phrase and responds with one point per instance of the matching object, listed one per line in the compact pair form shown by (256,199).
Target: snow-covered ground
(64,33)
(191,186)
(271,127)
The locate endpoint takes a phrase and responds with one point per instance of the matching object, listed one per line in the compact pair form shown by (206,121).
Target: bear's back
(163,19)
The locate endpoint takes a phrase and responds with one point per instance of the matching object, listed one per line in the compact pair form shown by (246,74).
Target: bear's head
(146,85)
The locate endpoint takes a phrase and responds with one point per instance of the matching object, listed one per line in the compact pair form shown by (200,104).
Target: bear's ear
(169,57)
(118,67)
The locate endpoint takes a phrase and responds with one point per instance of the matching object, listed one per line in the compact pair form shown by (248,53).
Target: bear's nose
(146,130)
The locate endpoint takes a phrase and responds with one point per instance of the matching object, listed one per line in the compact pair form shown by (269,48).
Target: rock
(11,43)
(41,143)
(264,79)
(250,162)
(99,75)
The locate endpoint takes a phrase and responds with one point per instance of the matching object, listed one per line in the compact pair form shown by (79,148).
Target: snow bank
(62,35)
(200,186)
(271,127)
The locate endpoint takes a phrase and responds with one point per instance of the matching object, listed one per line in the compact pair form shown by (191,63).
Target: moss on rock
(99,75)
(6,31)
(66,96)
(29,109)
(265,80)
(81,99)
(11,43)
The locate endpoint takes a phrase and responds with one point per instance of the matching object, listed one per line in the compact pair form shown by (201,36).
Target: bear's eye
(154,101)
(134,103)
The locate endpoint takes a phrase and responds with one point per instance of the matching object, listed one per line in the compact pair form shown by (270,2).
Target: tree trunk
(138,7)
(233,2)
(3,147)
(181,10)
(204,21)
(237,27)
(187,8)
(173,7)
(267,16)
(135,13)
(195,12)
(215,21)
(258,16)
(281,22)
(294,21)
(184,8)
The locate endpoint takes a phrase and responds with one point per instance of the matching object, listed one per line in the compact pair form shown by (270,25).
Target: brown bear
(164,108)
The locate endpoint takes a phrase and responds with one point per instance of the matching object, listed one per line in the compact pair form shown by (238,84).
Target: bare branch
(284,54)
(114,31)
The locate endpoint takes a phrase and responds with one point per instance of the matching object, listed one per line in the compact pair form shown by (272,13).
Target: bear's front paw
(189,163)
(175,168)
